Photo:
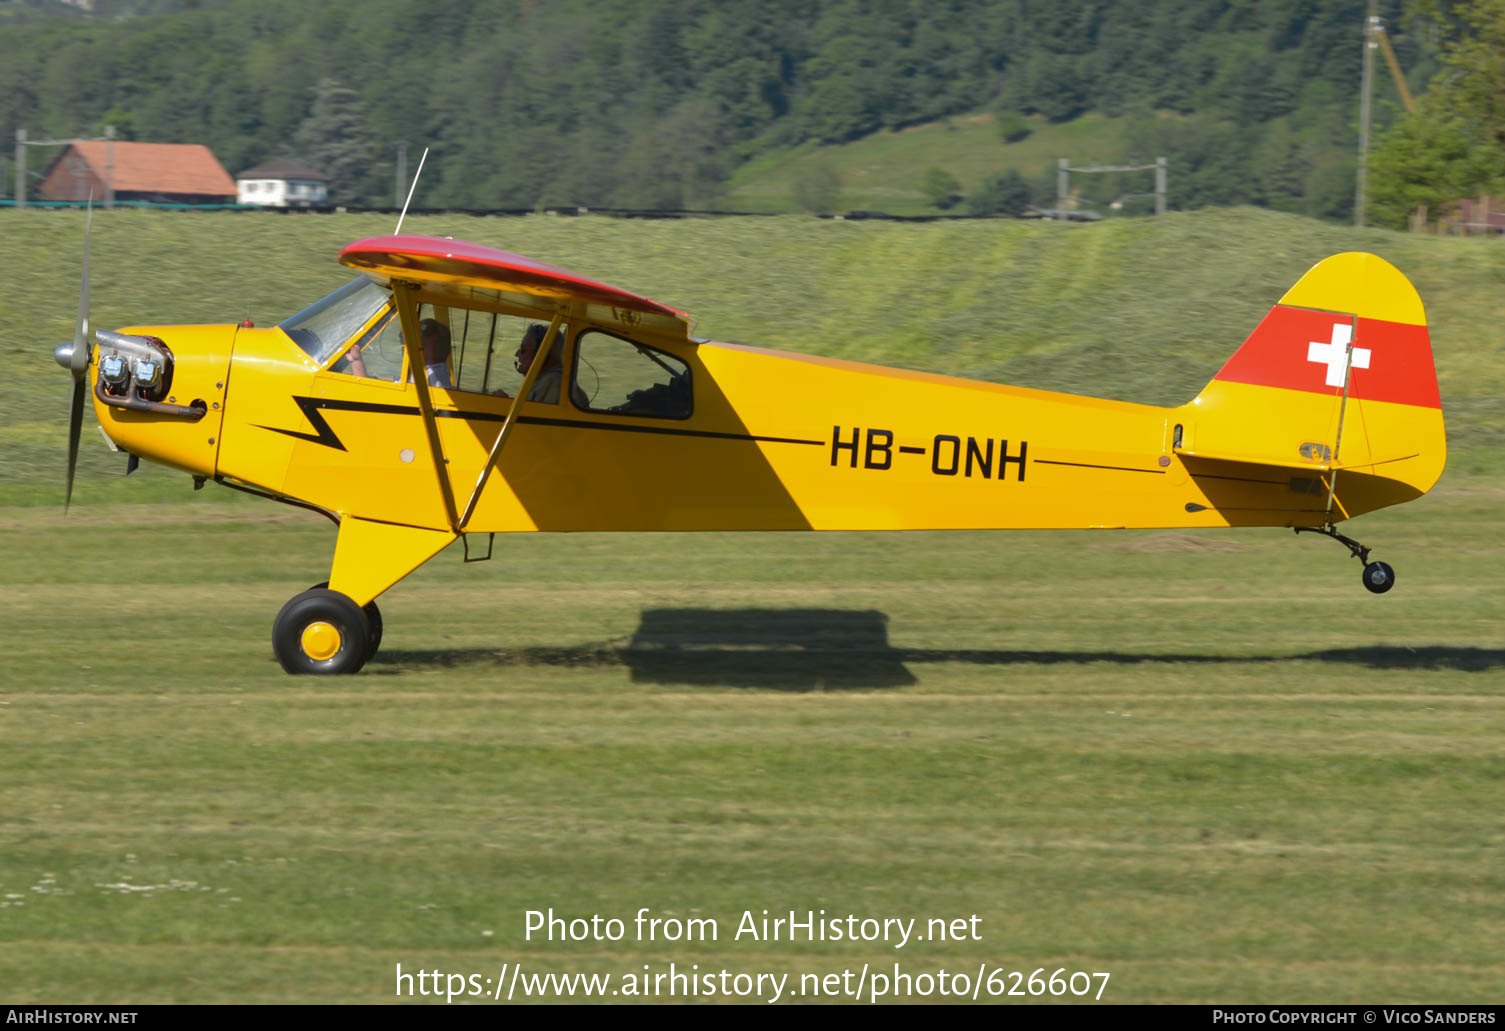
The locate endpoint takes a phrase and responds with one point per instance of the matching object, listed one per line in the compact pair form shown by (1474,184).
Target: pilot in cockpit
(546,386)
(436,353)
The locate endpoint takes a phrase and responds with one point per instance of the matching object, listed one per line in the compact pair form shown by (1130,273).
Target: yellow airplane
(390,406)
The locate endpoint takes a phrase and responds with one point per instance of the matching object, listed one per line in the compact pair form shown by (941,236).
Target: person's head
(528,347)
(435,341)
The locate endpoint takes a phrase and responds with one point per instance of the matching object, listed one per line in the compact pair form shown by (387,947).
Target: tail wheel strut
(1377,578)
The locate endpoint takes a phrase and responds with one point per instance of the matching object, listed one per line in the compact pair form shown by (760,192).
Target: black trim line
(1240,479)
(1089,465)
(326,513)
(626,428)
(325,435)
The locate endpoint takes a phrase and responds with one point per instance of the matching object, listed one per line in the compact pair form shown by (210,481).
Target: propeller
(78,361)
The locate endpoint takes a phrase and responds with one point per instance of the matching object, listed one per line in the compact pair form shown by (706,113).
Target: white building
(282,184)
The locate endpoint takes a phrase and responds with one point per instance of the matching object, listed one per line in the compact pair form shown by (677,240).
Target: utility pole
(402,171)
(1159,195)
(109,167)
(1370,21)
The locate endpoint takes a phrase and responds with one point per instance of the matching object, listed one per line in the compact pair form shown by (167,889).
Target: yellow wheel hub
(321,641)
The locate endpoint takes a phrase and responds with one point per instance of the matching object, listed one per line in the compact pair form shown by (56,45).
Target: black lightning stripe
(326,436)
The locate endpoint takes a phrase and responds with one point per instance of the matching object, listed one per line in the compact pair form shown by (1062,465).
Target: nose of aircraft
(63,354)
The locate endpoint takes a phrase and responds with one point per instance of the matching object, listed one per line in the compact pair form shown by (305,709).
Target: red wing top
(436,259)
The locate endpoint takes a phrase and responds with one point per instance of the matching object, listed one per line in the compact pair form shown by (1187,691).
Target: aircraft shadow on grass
(834,649)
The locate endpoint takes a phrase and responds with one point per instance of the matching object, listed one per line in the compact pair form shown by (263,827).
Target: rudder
(1338,377)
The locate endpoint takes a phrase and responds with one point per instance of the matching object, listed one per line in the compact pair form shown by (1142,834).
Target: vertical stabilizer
(1338,378)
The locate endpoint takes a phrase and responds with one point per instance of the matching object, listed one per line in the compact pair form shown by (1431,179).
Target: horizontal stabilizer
(1275,463)
(1318,465)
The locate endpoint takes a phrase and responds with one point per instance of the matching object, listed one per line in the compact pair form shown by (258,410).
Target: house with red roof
(174,173)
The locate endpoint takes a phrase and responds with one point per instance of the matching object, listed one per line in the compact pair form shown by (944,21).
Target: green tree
(1474,86)
(1455,145)
(817,189)
(1004,194)
(678,164)
(1056,86)
(1427,160)
(1010,124)
(1280,165)
(1329,189)
(333,139)
(527,102)
(941,188)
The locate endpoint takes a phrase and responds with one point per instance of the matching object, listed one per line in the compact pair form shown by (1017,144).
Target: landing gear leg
(1378,577)
(335,627)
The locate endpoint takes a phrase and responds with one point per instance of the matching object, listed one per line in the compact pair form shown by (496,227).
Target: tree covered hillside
(653,103)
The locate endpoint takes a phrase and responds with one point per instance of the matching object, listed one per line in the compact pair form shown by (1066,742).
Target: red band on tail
(1299,349)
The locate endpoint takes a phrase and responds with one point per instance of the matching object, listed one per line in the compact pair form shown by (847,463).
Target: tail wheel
(321,631)
(1379,577)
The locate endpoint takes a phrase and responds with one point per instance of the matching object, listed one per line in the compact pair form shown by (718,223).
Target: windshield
(325,326)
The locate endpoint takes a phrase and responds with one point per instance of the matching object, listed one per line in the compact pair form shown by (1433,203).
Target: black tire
(321,631)
(373,628)
(373,622)
(1378,577)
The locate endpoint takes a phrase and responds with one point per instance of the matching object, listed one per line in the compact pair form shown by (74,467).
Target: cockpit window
(325,326)
(623,377)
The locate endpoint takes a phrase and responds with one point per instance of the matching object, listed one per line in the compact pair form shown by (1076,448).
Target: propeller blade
(81,341)
(78,361)
(75,428)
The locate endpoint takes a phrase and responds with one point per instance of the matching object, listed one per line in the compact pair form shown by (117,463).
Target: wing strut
(517,402)
(412,342)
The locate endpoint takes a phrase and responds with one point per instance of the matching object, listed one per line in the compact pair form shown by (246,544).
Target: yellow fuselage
(776,441)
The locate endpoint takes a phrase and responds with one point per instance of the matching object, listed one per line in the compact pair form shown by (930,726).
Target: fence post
(20,168)
(109,167)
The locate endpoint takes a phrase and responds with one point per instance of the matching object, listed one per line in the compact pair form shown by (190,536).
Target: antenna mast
(410,192)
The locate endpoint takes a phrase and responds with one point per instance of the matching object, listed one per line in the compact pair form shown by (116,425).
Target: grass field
(1210,765)
(883,171)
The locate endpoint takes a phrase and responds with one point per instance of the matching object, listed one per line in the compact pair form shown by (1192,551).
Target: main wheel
(321,631)
(373,622)
(1379,577)
(373,628)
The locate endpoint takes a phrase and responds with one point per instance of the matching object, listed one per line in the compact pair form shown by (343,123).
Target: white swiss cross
(1333,355)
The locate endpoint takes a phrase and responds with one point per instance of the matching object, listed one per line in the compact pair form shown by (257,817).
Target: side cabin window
(356,331)
(617,376)
(489,352)
(479,352)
